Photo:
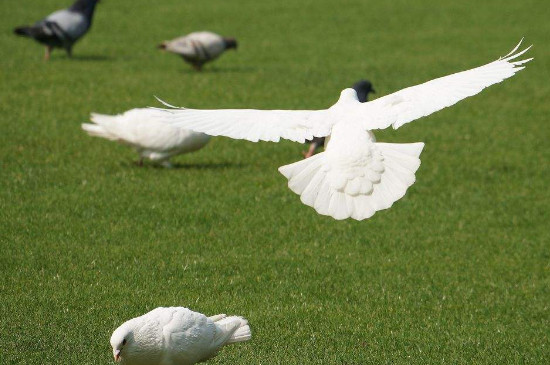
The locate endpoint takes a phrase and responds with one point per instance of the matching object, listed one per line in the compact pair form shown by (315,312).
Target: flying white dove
(198,48)
(355,176)
(153,139)
(175,336)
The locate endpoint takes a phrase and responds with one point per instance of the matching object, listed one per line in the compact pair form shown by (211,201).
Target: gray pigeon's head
(121,339)
(230,43)
(363,88)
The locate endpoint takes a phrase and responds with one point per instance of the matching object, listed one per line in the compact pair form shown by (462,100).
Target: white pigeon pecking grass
(355,176)
(175,336)
(152,139)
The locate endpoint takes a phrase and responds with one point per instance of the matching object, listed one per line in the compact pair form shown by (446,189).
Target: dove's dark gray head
(363,88)
(121,339)
(85,7)
(230,43)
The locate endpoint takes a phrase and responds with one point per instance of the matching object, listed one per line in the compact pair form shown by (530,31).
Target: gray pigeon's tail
(24,31)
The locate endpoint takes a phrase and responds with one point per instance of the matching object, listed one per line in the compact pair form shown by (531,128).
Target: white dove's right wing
(421,100)
(250,124)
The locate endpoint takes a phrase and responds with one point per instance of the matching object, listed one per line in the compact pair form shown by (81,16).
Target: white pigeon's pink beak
(116,355)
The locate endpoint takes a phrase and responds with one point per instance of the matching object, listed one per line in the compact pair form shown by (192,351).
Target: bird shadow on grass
(90,57)
(220,70)
(203,166)
(185,166)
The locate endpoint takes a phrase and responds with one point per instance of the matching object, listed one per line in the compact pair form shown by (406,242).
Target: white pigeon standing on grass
(198,48)
(153,139)
(355,176)
(175,336)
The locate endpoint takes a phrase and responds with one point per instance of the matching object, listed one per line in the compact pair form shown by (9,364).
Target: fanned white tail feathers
(310,179)
(238,326)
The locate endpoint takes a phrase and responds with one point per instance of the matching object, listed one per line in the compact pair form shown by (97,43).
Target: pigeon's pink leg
(311,151)
(48,52)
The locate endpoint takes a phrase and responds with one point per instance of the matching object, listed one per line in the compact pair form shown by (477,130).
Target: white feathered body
(197,47)
(152,138)
(179,336)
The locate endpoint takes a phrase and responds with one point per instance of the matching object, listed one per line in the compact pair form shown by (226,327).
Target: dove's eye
(123,342)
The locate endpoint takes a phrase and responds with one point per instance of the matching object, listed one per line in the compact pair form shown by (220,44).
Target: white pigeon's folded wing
(250,124)
(189,333)
(421,100)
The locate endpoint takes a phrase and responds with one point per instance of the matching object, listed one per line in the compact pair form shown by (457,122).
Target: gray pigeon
(199,48)
(62,28)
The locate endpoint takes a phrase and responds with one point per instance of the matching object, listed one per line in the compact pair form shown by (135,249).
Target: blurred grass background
(456,272)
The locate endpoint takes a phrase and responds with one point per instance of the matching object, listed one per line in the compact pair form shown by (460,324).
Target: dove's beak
(116,355)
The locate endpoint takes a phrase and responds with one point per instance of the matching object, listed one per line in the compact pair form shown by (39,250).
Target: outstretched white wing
(418,101)
(250,124)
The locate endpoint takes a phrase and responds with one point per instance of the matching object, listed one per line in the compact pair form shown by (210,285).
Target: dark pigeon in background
(62,28)
(362,88)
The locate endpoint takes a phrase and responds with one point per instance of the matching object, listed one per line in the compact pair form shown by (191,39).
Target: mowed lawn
(456,272)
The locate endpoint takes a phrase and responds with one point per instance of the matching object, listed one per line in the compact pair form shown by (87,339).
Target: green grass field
(457,272)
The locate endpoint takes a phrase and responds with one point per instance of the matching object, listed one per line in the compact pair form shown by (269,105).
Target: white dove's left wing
(250,124)
(421,100)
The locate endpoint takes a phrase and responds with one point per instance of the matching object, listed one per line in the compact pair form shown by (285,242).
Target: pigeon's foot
(48,53)
(140,162)
(197,67)
(311,151)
